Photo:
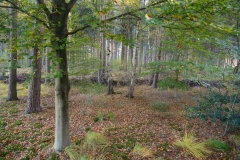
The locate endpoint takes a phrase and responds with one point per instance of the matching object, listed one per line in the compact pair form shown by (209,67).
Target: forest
(119,79)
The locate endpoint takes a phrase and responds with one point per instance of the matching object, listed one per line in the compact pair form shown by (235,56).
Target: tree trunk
(134,68)
(109,77)
(157,57)
(34,89)
(12,81)
(235,71)
(47,80)
(62,86)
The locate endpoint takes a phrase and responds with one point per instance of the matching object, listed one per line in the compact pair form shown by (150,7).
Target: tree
(12,80)
(34,88)
(134,68)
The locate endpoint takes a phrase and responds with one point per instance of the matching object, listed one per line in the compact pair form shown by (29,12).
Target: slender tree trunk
(238,45)
(12,81)
(47,80)
(109,77)
(140,56)
(157,57)
(134,68)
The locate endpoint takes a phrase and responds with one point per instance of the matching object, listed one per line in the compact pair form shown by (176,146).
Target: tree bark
(12,80)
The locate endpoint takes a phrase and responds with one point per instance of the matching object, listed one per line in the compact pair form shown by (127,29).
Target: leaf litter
(133,122)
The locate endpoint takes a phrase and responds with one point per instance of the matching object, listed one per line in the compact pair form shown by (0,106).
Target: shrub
(188,142)
(216,106)
(171,83)
(160,106)
(218,145)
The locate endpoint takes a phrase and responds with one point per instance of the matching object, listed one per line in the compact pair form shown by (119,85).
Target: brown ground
(134,119)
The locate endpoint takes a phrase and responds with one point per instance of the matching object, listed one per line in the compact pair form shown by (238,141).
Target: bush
(169,83)
(216,106)
(160,106)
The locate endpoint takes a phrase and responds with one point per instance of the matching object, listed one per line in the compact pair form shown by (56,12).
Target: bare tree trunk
(109,77)
(12,81)
(134,68)
(47,80)
(157,57)
(140,56)
(238,45)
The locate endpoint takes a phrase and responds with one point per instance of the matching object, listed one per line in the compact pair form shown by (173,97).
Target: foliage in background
(169,83)
(216,106)
(87,87)
(189,144)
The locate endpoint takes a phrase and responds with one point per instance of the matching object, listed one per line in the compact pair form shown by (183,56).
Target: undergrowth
(160,106)
(217,106)
(217,145)
(191,146)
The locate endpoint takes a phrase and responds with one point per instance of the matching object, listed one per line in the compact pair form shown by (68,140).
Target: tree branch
(7,7)
(48,13)
(70,5)
(116,17)
(14,6)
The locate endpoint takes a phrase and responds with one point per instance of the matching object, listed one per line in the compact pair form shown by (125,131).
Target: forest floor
(125,122)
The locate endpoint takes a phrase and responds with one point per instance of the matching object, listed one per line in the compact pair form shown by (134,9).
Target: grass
(189,144)
(92,147)
(160,106)
(22,90)
(235,139)
(142,151)
(218,145)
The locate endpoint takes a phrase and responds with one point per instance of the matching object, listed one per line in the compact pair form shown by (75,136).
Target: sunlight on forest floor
(22,90)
